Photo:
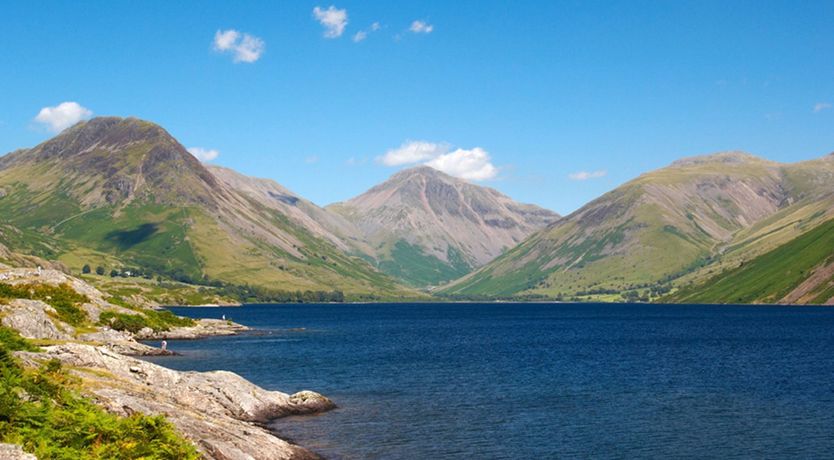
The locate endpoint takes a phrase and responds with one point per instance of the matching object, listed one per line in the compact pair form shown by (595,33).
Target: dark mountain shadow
(126,239)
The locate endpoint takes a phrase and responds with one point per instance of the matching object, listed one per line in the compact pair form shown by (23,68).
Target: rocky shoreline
(221,413)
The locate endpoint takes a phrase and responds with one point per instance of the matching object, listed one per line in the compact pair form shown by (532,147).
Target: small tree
(99,270)
(86,269)
(114,273)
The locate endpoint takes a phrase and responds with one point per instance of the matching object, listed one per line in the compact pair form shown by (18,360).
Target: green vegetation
(161,320)
(771,276)
(410,264)
(10,340)
(42,410)
(63,299)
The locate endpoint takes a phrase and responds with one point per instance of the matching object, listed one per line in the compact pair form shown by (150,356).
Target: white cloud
(472,164)
(225,39)
(820,106)
(421,27)
(585,175)
(312,159)
(62,116)
(204,154)
(363,34)
(243,47)
(334,20)
(412,152)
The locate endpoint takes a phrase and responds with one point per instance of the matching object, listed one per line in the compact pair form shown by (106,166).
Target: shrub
(162,320)
(86,269)
(100,270)
(10,340)
(42,411)
(62,298)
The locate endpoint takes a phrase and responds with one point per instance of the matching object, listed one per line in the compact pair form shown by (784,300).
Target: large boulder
(33,320)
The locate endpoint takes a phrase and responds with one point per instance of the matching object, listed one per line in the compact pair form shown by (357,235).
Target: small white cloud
(421,27)
(472,164)
(820,106)
(243,47)
(225,39)
(333,19)
(62,116)
(412,152)
(312,159)
(585,175)
(204,154)
(363,34)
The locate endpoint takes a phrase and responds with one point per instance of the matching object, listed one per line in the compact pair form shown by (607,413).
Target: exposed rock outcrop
(219,411)
(203,328)
(93,308)
(121,342)
(31,319)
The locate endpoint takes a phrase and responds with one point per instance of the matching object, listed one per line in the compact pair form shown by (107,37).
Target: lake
(503,380)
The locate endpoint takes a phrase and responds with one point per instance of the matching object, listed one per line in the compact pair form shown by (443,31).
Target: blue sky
(539,91)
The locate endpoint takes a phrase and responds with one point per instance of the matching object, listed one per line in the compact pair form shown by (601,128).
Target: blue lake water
(540,380)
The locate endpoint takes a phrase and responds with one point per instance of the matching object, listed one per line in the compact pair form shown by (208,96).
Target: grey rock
(203,328)
(31,319)
(219,411)
(14,452)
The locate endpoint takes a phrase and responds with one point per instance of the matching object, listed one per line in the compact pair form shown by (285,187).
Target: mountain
(666,227)
(121,192)
(318,221)
(426,227)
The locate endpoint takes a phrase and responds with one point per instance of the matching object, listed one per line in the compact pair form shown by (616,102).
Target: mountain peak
(427,227)
(125,157)
(104,132)
(423,171)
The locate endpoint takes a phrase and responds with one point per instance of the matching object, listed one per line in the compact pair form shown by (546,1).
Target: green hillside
(806,262)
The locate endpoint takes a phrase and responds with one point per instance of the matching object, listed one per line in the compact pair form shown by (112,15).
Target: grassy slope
(583,262)
(408,263)
(771,276)
(665,249)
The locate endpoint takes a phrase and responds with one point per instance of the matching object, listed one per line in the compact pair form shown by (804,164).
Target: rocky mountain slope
(667,227)
(318,221)
(426,227)
(123,193)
